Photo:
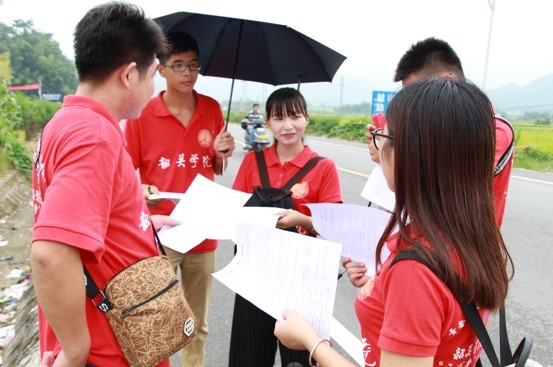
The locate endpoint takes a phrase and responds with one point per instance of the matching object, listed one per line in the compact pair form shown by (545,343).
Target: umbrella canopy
(255,51)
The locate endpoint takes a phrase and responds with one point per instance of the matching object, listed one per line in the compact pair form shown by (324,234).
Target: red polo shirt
(86,195)
(170,155)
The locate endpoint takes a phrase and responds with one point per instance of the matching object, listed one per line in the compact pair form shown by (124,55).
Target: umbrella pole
(234,71)
(229,104)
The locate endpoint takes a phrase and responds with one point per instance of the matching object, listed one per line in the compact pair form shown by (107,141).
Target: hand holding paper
(358,228)
(278,270)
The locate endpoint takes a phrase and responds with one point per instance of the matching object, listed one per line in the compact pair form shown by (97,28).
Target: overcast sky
(371,34)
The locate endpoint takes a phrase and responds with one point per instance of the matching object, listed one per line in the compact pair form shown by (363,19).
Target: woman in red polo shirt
(437,154)
(252,340)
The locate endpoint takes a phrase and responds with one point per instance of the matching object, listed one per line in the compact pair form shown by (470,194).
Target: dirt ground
(16,228)
(18,326)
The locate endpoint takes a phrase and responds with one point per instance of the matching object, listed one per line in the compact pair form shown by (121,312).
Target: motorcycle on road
(260,138)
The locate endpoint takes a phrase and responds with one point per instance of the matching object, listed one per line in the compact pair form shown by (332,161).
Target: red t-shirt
(503,138)
(408,310)
(169,155)
(86,195)
(320,185)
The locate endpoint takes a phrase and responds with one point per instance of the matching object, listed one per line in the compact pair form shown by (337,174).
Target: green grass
(534,147)
(537,136)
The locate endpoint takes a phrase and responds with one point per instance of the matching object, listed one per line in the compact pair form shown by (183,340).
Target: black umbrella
(255,51)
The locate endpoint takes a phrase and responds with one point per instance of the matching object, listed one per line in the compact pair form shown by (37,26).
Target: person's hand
(224,144)
(375,156)
(148,190)
(159,220)
(292,218)
(295,332)
(50,360)
(356,271)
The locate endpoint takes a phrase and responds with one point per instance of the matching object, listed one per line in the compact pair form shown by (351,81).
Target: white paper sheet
(226,229)
(376,190)
(204,206)
(358,228)
(278,270)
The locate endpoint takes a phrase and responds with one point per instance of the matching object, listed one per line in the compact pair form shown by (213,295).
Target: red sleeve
(329,191)
(503,138)
(243,180)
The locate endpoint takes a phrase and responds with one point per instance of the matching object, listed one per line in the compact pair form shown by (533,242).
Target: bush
(20,157)
(21,118)
(531,158)
(35,113)
(349,128)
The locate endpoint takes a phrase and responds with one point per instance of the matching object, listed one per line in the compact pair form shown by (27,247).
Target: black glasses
(180,67)
(377,135)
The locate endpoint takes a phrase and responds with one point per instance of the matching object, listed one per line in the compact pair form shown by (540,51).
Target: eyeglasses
(377,135)
(180,67)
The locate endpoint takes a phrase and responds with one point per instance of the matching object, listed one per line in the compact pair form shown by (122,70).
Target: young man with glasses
(179,135)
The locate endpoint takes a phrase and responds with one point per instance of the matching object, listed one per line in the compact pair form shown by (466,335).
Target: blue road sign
(380,102)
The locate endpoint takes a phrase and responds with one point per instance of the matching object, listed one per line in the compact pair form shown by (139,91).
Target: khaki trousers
(196,280)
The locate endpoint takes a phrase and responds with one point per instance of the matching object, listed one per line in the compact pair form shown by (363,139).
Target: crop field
(538,136)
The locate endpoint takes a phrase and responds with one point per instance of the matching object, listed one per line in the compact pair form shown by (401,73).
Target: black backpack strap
(262,168)
(509,152)
(302,172)
(471,312)
(264,176)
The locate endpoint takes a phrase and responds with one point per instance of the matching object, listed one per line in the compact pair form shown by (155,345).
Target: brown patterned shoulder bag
(147,310)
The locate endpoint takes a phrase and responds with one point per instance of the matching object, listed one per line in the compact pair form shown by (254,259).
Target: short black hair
(430,56)
(179,42)
(113,34)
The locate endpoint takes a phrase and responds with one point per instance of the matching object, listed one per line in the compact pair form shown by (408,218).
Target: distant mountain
(511,99)
(535,96)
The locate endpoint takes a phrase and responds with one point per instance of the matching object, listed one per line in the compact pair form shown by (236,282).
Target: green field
(534,147)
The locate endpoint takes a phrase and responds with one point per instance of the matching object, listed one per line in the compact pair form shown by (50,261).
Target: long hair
(444,144)
(113,34)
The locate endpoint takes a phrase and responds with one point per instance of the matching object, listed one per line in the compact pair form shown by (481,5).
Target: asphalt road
(527,230)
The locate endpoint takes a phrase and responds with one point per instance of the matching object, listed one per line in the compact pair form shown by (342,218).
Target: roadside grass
(534,147)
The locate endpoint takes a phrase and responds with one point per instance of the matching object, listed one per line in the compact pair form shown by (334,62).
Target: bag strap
(262,168)
(302,172)
(509,152)
(264,176)
(96,294)
(471,312)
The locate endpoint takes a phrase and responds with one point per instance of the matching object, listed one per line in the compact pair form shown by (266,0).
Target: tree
(35,57)
(5,70)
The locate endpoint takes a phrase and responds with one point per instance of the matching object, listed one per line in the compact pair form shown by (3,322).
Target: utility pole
(491,3)
(341,91)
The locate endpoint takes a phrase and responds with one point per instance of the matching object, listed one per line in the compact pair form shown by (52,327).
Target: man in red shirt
(179,135)
(88,205)
(431,58)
